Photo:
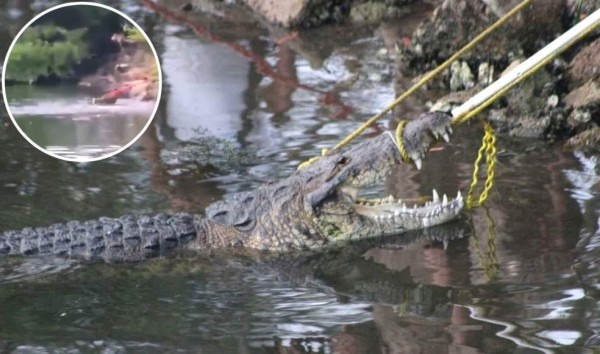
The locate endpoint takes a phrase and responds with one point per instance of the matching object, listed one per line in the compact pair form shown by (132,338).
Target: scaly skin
(312,208)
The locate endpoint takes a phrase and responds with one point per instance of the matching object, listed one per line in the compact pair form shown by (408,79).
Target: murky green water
(525,284)
(63,121)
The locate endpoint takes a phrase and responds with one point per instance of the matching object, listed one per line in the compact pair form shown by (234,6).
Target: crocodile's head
(318,204)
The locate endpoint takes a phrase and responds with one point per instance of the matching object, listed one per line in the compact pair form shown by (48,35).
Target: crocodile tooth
(436,197)
(446,137)
(458,196)
(444,200)
(418,163)
(397,212)
(445,244)
(390,199)
(404,209)
(449,129)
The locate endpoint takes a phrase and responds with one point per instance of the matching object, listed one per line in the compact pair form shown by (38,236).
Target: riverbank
(560,103)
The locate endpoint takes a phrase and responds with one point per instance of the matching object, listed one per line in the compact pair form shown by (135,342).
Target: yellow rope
(427,78)
(488,264)
(324,152)
(400,141)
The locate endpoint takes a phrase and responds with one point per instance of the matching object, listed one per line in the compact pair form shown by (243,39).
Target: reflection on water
(207,83)
(63,121)
(520,277)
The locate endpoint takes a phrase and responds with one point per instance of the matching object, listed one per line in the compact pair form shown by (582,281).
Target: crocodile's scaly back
(129,238)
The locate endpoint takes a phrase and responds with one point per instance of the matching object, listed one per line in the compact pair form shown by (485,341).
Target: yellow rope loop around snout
(400,141)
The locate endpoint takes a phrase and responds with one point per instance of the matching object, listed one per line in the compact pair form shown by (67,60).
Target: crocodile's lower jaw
(395,215)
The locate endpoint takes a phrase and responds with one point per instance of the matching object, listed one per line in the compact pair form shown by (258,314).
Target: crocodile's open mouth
(390,215)
(397,211)
(344,174)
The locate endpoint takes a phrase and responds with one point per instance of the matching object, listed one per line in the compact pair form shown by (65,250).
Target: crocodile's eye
(245,225)
(343,160)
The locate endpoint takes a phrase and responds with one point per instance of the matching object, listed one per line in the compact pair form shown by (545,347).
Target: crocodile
(313,208)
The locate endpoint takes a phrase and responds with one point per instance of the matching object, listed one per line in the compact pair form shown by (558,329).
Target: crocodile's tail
(129,238)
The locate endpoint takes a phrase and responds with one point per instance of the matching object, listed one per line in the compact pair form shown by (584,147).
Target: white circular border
(150,119)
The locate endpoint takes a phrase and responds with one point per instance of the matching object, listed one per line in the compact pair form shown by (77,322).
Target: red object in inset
(112,96)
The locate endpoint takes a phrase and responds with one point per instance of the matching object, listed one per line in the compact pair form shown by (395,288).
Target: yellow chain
(492,265)
(488,147)
(489,263)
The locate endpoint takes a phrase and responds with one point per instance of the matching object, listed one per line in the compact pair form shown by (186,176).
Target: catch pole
(488,95)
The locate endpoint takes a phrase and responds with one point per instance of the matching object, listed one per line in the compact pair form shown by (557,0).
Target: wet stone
(485,74)
(461,76)
(553,101)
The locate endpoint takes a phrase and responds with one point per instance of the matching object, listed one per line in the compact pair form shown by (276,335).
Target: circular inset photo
(81,81)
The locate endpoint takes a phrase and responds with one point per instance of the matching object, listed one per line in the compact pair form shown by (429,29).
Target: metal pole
(558,45)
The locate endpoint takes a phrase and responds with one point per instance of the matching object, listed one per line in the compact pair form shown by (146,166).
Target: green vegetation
(65,44)
(45,50)
(134,34)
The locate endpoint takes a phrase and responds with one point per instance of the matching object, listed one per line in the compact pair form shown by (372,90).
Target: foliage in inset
(134,34)
(44,50)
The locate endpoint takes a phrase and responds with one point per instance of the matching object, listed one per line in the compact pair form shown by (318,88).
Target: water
(525,284)
(62,121)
